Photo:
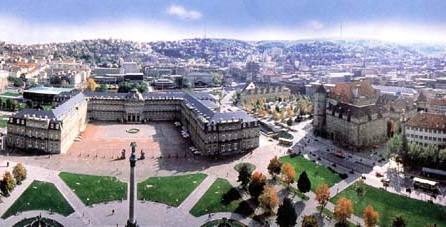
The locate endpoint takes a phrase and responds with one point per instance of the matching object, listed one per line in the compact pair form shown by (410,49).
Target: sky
(41,21)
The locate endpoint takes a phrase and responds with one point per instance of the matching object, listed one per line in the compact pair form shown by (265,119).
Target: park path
(193,198)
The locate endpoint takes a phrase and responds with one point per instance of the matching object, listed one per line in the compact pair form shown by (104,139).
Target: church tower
(320,103)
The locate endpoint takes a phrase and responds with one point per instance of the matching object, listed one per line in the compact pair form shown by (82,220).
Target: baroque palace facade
(212,132)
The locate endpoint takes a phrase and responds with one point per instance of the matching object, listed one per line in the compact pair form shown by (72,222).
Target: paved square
(105,139)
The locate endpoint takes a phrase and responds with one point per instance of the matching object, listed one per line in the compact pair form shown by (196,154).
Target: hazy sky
(30,21)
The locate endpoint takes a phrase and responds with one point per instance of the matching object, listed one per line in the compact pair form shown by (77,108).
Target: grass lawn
(317,173)
(221,197)
(415,212)
(170,190)
(40,196)
(46,222)
(95,189)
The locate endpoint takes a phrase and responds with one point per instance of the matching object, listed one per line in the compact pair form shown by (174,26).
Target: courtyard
(108,139)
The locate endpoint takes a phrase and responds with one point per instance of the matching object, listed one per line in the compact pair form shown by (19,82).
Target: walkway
(193,198)
(147,213)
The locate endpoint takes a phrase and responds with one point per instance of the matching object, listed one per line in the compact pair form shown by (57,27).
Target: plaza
(97,152)
(157,139)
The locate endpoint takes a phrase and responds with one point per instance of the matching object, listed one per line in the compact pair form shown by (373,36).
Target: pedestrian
(113,211)
(7,164)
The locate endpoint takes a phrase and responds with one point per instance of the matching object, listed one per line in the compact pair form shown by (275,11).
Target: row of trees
(125,87)
(344,210)
(416,155)
(8,104)
(266,195)
(9,181)
(16,81)
(302,107)
(256,185)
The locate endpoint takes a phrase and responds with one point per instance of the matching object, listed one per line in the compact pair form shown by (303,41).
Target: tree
(394,145)
(310,221)
(102,88)
(274,166)
(258,181)
(305,105)
(360,188)
(19,173)
(217,78)
(91,84)
(8,181)
(125,87)
(371,216)
(398,221)
(304,184)
(269,199)
(288,173)
(244,176)
(8,104)
(343,210)
(286,214)
(322,195)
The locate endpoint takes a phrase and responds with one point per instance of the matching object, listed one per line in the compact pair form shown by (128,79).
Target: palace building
(356,115)
(211,132)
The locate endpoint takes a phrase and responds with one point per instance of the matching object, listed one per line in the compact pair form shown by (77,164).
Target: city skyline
(55,21)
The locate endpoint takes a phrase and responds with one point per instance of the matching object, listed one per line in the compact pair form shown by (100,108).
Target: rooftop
(428,120)
(48,90)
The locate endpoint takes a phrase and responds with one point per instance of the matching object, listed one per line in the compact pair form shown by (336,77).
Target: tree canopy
(286,214)
(304,184)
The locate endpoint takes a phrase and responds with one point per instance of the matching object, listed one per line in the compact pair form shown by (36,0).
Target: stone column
(132,188)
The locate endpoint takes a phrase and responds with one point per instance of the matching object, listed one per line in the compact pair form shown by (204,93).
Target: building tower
(132,188)
(320,102)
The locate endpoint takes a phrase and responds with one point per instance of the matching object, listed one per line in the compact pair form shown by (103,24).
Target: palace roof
(347,92)
(428,120)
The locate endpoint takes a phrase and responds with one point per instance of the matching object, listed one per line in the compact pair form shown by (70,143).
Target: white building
(427,128)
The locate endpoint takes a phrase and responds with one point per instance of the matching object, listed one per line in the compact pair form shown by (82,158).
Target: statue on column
(131,222)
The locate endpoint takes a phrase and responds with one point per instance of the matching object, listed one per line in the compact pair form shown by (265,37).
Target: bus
(433,173)
(424,184)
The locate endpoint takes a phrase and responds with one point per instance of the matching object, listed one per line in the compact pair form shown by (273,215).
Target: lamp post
(132,221)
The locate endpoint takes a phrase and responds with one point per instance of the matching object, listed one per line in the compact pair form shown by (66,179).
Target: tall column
(132,188)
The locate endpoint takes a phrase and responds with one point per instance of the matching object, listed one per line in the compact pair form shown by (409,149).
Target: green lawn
(40,196)
(46,222)
(95,189)
(317,173)
(221,197)
(170,190)
(415,212)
